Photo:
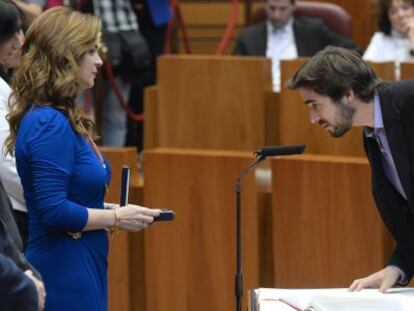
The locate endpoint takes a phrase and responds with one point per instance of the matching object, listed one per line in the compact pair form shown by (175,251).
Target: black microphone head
(271,151)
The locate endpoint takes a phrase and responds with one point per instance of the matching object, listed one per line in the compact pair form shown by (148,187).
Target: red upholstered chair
(334,16)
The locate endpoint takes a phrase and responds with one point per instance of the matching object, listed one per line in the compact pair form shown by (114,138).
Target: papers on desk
(336,299)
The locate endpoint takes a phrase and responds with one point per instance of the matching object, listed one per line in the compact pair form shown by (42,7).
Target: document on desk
(332,299)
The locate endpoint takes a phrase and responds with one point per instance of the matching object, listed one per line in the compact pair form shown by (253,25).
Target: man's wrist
(402,279)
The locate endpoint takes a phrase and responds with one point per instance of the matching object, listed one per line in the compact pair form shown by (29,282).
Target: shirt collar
(378,121)
(287,27)
(395,33)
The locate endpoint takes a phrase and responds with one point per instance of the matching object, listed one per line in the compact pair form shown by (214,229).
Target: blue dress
(62,176)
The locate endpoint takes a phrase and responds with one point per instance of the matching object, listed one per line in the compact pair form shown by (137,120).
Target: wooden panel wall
(326,229)
(206,21)
(191,261)
(407,71)
(208,102)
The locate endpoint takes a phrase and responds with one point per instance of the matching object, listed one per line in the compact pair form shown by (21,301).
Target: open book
(339,299)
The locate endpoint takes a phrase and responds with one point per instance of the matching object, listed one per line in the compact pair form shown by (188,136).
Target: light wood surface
(207,102)
(151,133)
(407,71)
(191,261)
(384,70)
(326,229)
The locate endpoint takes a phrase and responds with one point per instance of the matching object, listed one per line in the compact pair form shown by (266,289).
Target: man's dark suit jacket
(17,291)
(397,106)
(311,36)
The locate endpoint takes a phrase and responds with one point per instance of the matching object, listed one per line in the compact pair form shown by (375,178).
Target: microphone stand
(239,276)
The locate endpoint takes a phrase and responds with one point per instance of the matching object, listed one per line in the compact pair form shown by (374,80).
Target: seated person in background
(290,37)
(395,39)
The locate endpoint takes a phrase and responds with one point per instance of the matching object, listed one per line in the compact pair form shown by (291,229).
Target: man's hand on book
(383,279)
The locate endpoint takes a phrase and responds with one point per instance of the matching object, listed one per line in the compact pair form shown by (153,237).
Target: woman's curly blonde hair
(48,74)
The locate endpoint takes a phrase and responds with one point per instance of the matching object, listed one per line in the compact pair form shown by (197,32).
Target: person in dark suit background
(341,92)
(283,36)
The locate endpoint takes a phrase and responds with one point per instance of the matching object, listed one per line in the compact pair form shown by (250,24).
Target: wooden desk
(209,102)
(407,70)
(190,262)
(326,228)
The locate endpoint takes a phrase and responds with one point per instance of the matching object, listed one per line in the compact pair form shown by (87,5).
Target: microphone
(261,154)
(271,151)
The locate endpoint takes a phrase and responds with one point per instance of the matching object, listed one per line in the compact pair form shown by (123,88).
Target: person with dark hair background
(395,39)
(342,92)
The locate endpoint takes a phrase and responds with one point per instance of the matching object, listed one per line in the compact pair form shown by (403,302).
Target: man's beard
(345,116)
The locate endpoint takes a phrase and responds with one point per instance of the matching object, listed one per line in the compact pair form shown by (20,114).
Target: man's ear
(349,95)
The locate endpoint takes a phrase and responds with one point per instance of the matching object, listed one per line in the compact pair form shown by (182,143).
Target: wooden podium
(191,261)
(326,228)
(210,102)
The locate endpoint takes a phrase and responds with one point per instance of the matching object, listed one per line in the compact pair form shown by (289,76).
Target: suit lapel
(300,36)
(397,141)
(304,43)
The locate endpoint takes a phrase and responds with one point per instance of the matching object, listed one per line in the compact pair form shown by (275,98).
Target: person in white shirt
(11,41)
(395,39)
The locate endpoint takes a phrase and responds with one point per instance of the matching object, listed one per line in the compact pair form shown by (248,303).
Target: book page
(326,303)
(399,299)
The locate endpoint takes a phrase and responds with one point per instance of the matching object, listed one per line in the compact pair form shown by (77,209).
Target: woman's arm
(130,217)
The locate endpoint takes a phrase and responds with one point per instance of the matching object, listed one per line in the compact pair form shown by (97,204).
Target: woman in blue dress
(63,174)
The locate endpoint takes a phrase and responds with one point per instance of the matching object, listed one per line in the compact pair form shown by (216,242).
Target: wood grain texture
(384,70)
(326,229)
(407,71)
(151,132)
(207,102)
(191,262)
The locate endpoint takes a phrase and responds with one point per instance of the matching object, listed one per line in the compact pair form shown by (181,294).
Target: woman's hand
(134,217)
